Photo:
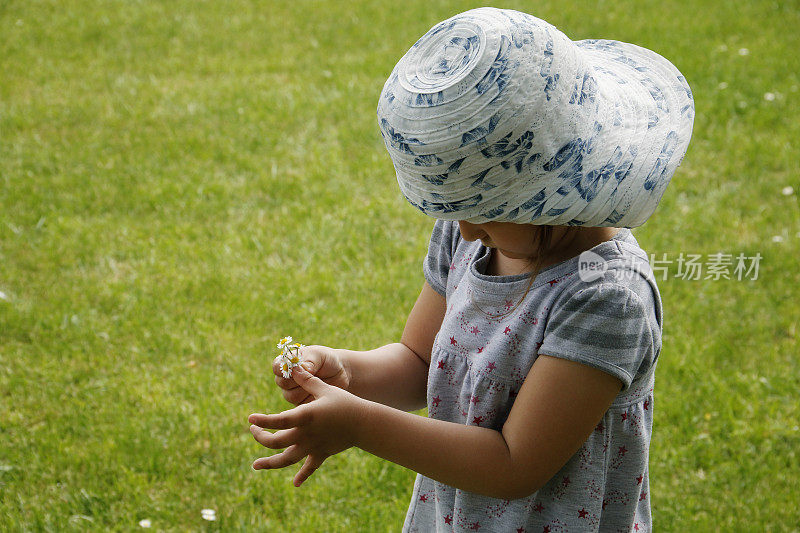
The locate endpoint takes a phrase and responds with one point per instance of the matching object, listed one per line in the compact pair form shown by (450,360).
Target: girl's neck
(568,242)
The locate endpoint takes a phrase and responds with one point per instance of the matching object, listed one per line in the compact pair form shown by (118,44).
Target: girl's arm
(395,375)
(557,408)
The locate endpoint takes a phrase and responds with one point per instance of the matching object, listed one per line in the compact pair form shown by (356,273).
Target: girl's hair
(545,237)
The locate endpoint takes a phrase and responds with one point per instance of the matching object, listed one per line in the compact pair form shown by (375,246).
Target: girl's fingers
(277,440)
(297,396)
(285,420)
(285,383)
(308,468)
(287,457)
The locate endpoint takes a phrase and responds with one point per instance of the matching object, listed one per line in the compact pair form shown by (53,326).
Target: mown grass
(182,183)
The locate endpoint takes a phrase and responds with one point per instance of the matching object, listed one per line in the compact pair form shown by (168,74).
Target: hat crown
(484,70)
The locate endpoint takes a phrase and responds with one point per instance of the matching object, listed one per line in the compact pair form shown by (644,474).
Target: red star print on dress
(494,511)
(555,526)
(594,490)
(527,317)
(561,489)
(617,497)
(592,520)
(618,458)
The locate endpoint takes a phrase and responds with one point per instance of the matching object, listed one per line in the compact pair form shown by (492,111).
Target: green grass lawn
(182,183)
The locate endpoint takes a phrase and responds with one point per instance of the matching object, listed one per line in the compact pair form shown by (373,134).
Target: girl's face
(521,241)
(516,241)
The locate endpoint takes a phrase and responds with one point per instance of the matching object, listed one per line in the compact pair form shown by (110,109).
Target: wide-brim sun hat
(496,115)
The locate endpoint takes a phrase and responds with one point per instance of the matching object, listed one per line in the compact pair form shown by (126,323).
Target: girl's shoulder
(607,312)
(442,247)
(616,266)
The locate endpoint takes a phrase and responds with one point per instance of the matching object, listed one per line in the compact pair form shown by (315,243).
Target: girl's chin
(512,255)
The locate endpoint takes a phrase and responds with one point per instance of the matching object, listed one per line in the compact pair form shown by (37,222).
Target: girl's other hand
(326,426)
(319,361)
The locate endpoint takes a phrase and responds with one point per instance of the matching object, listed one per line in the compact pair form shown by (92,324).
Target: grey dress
(479,361)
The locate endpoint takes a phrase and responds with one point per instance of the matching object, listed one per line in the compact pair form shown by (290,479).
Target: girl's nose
(470,231)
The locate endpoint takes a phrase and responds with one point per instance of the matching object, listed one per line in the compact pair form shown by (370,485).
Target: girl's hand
(320,361)
(318,429)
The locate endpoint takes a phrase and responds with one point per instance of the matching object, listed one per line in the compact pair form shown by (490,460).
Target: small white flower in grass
(145,523)
(786,191)
(777,238)
(208,514)
(3,296)
(769,97)
(743,51)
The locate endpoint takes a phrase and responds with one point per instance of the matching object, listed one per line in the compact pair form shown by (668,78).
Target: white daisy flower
(145,523)
(787,190)
(769,97)
(208,514)
(286,368)
(743,51)
(284,342)
(290,357)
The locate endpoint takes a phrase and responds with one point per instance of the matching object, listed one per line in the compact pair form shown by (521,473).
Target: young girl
(535,338)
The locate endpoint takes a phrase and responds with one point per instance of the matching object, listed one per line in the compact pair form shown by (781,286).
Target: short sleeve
(436,266)
(606,326)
